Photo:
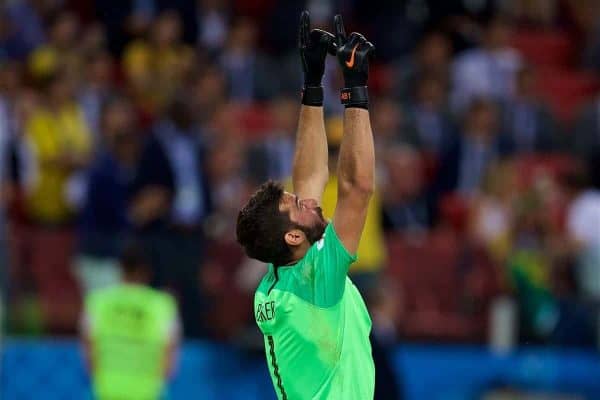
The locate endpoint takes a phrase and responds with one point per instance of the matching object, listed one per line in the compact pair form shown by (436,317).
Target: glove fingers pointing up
(340,31)
(304,31)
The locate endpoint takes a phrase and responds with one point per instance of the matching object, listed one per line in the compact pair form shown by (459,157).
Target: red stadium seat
(566,90)
(454,211)
(253,8)
(552,167)
(544,48)
(380,78)
(443,299)
(535,165)
(255,121)
(426,271)
(51,253)
(430,166)
(228,301)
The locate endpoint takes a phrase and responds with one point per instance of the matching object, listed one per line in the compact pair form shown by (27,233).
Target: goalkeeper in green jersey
(315,323)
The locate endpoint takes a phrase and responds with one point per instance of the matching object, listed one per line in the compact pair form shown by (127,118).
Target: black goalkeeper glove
(354,54)
(314,46)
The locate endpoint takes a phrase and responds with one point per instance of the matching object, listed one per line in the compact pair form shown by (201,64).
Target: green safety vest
(129,333)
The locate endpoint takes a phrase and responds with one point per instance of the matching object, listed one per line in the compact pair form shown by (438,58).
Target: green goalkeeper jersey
(316,326)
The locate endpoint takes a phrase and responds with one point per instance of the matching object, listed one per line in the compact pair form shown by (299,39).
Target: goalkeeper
(315,323)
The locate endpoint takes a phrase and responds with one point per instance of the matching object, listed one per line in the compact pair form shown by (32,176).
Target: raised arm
(310,172)
(356,164)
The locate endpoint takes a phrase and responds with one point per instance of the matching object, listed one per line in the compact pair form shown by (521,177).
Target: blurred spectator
(465,164)
(389,125)
(227,175)
(5,141)
(530,267)
(279,20)
(429,117)
(96,89)
(321,12)
(93,39)
(24,22)
(272,157)
(61,52)
(406,205)
(583,227)
(124,20)
(546,313)
(156,68)
(208,95)
(11,121)
(394,25)
(384,303)
(58,145)
(10,81)
(538,13)
(171,201)
(60,142)
(432,59)
(212,24)
(245,68)
(239,60)
(130,334)
(104,220)
(488,70)
(227,277)
(586,130)
(226,281)
(12,46)
(528,125)
(492,210)
(586,13)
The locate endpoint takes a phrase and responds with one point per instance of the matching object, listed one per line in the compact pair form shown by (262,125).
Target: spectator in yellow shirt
(155,68)
(61,51)
(59,142)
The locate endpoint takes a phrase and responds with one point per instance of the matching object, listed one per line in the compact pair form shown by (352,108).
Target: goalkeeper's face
(306,215)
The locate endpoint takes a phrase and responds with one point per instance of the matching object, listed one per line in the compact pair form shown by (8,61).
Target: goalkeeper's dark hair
(261,226)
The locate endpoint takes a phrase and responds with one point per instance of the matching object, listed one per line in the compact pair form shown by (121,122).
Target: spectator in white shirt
(488,70)
(583,227)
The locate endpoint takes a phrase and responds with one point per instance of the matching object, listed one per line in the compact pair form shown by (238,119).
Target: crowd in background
(157,119)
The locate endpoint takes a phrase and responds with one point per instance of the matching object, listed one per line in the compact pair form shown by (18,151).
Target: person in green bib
(130,334)
(315,323)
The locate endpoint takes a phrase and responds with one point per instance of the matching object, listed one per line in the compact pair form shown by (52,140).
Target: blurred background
(155,120)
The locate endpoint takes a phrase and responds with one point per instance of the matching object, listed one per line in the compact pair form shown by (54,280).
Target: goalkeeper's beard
(315,232)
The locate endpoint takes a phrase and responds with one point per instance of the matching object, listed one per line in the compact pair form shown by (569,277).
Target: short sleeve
(330,262)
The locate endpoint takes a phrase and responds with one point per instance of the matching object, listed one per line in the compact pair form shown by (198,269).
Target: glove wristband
(357,97)
(312,96)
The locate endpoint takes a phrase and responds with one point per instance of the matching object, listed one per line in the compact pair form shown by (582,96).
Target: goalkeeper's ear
(295,237)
